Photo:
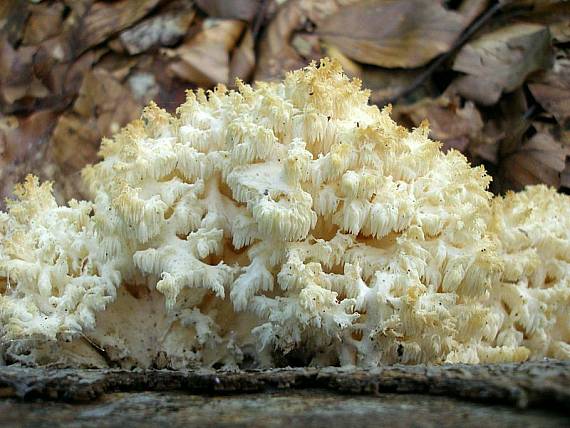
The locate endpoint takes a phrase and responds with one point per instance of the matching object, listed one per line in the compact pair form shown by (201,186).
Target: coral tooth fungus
(287,218)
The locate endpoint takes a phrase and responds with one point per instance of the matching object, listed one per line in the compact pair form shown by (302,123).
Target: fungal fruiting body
(292,220)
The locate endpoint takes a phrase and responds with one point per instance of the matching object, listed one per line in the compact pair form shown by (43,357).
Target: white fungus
(285,219)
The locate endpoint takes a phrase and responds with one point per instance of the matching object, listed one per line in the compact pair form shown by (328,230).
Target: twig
(472,29)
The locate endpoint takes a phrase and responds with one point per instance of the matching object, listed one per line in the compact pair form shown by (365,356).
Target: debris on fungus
(285,219)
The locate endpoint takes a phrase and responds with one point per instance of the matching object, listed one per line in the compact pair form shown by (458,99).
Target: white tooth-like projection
(284,219)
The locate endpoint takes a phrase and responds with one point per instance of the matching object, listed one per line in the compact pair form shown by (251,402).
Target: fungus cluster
(286,222)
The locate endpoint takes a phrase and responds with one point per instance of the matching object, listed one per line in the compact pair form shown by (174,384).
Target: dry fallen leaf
(160,30)
(275,55)
(22,147)
(17,79)
(94,23)
(554,14)
(541,159)
(508,117)
(453,125)
(148,81)
(470,9)
(242,63)
(319,10)
(235,9)
(565,176)
(501,60)
(552,91)
(393,33)
(44,22)
(205,58)
(308,46)
(118,65)
(350,67)
(101,109)
(13,17)
(387,84)
(63,75)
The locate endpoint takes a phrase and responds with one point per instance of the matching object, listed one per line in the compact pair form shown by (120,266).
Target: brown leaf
(318,10)
(470,9)
(161,30)
(101,109)
(13,16)
(565,177)
(552,91)
(275,55)
(20,135)
(501,60)
(350,67)
(560,134)
(17,79)
(308,46)
(44,22)
(509,117)
(205,59)
(242,63)
(384,83)
(60,72)
(22,146)
(504,129)
(143,86)
(235,9)
(93,24)
(393,33)
(118,65)
(556,15)
(387,84)
(541,159)
(52,58)
(148,81)
(455,126)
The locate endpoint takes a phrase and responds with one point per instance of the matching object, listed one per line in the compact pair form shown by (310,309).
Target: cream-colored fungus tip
(287,220)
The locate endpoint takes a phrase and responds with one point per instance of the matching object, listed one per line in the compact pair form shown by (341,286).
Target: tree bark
(532,384)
